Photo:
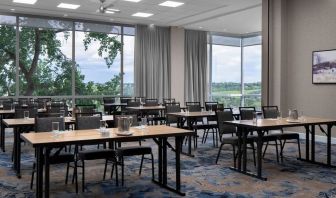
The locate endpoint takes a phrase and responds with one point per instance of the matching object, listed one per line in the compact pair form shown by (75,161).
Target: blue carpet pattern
(201,177)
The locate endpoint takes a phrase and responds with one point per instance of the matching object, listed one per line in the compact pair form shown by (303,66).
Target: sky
(325,56)
(226,64)
(93,66)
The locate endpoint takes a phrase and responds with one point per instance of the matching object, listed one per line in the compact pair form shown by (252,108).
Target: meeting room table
(16,123)
(190,118)
(42,141)
(244,127)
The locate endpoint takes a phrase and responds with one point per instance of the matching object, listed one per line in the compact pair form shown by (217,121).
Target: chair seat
(270,137)
(136,150)
(289,136)
(96,154)
(205,126)
(61,158)
(234,140)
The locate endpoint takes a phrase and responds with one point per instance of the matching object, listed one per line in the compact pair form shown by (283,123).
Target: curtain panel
(196,72)
(152,62)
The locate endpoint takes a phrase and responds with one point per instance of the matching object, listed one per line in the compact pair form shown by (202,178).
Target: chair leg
(254,157)
(32,177)
(276,149)
(219,151)
(67,173)
(105,167)
(299,149)
(113,164)
(153,176)
(142,158)
(83,175)
(265,149)
(117,180)
(234,156)
(122,172)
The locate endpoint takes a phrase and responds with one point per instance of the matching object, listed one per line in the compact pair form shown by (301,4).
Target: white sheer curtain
(152,62)
(196,60)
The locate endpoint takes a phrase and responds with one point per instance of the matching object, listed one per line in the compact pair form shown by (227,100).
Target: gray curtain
(195,85)
(152,62)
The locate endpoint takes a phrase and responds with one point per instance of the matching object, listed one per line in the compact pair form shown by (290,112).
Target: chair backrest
(270,111)
(7,105)
(46,114)
(225,115)
(125,99)
(23,101)
(246,113)
(134,118)
(88,120)
(220,107)
(211,106)
(151,102)
(109,100)
(168,100)
(140,99)
(173,107)
(44,124)
(86,108)
(193,106)
(133,103)
(19,112)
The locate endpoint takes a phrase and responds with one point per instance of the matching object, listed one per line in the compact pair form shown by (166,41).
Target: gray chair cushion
(45,124)
(96,154)
(134,150)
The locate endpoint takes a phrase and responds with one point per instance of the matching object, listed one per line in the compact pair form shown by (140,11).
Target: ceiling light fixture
(25,1)
(142,14)
(172,4)
(135,1)
(68,6)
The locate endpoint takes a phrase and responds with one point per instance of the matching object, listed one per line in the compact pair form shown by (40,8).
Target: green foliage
(109,45)
(44,69)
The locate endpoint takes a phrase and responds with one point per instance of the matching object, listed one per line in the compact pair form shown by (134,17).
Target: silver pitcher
(124,123)
(293,114)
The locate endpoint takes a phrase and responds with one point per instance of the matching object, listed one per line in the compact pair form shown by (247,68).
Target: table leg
(14,150)
(239,154)
(17,155)
(313,143)
(39,172)
(46,173)
(1,134)
(329,144)
(245,132)
(164,161)
(307,142)
(178,141)
(160,159)
(259,154)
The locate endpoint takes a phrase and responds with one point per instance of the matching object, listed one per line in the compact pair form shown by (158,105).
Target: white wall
(177,64)
(300,27)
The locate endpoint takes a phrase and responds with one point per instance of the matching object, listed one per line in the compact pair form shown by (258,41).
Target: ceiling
(227,16)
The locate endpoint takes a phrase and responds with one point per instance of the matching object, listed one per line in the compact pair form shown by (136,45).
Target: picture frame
(324,67)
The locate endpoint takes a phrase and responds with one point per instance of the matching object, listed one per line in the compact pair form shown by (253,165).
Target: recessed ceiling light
(65,15)
(109,12)
(200,27)
(142,14)
(173,4)
(12,10)
(25,1)
(112,10)
(68,6)
(136,1)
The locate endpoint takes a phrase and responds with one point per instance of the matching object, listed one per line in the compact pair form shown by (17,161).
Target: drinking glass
(143,123)
(255,117)
(279,115)
(102,126)
(55,128)
(12,107)
(26,114)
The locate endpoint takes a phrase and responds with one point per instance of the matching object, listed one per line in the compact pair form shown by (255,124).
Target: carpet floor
(201,176)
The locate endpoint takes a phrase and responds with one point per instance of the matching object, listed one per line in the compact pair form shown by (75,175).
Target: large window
(7,55)
(45,57)
(65,58)
(97,62)
(235,65)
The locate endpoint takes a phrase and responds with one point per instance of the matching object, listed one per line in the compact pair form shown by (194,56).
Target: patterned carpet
(201,177)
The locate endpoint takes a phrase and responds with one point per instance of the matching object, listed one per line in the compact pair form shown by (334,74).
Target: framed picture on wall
(324,67)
